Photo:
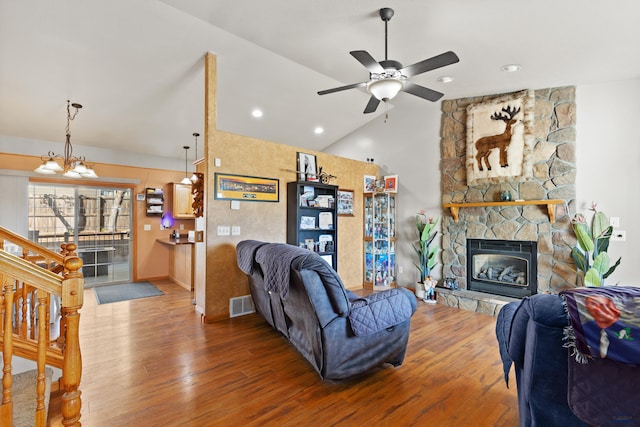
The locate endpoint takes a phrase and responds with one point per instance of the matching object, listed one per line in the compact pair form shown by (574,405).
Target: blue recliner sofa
(339,333)
(530,336)
(563,378)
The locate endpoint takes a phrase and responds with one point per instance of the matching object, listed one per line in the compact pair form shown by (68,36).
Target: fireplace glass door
(500,269)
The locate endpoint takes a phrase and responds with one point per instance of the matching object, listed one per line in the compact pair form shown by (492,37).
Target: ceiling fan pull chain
(386,112)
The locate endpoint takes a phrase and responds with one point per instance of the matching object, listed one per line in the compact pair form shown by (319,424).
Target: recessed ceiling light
(510,68)
(318,130)
(256,113)
(445,79)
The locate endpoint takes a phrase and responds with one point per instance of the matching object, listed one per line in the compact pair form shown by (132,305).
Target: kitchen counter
(181,260)
(174,242)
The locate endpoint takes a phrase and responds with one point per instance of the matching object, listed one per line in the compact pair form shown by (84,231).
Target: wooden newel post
(72,299)
(6,410)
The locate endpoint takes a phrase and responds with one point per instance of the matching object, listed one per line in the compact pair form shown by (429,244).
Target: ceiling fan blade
(338,89)
(422,92)
(372,105)
(438,61)
(367,60)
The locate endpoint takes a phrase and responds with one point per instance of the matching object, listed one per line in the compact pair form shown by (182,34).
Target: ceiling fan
(388,77)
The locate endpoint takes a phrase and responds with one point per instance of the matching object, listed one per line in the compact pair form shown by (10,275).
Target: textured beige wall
(266,221)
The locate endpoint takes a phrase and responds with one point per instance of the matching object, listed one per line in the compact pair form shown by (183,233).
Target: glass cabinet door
(379,240)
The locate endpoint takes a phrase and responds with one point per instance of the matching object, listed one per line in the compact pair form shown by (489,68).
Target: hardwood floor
(150,362)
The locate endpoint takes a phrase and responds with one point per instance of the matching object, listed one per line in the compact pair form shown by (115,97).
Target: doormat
(106,294)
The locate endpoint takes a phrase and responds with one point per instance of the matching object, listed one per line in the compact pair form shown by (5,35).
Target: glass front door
(98,219)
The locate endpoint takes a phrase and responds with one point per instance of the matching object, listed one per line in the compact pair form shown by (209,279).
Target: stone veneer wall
(554,173)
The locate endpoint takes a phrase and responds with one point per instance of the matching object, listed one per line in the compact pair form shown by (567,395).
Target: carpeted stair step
(24,396)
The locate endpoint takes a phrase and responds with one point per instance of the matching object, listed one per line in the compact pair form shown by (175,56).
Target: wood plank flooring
(151,362)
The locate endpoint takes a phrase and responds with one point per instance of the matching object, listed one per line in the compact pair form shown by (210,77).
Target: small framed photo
(140,197)
(391,183)
(345,202)
(307,167)
(307,223)
(369,183)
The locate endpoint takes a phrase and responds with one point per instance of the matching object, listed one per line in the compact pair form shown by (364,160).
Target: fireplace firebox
(502,267)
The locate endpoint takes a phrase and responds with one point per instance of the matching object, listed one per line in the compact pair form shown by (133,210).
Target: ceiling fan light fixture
(385,89)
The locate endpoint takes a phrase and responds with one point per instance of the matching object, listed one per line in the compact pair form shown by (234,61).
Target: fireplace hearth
(502,267)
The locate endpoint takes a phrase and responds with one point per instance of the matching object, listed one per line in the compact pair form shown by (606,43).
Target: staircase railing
(30,286)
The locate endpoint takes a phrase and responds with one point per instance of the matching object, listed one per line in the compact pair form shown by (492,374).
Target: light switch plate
(147,227)
(235,230)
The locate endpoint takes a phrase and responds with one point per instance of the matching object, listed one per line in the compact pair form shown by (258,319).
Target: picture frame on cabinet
(345,202)
(307,223)
(307,167)
(391,183)
(369,183)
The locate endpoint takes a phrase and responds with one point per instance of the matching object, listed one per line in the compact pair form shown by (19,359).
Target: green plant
(425,247)
(590,253)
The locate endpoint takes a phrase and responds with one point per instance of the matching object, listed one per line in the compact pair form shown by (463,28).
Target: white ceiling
(137,65)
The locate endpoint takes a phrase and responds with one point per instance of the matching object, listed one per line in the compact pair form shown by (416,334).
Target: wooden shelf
(550,206)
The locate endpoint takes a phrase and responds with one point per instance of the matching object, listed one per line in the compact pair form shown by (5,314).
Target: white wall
(408,145)
(608,159)
(608,150)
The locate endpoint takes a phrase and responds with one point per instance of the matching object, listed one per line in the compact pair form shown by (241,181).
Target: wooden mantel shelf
(550,206)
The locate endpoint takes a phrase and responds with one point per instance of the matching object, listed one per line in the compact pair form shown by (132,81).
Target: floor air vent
(240,306)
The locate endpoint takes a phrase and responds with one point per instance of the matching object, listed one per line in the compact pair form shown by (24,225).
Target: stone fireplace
(553,177)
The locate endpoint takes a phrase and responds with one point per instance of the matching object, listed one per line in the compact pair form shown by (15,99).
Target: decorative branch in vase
(426,248)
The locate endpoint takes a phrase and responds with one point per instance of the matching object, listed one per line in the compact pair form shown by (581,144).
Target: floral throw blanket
(604,323)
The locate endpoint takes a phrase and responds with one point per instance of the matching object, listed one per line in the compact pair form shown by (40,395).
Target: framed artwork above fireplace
(500,139)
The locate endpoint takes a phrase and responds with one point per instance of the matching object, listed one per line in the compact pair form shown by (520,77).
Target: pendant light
(194,177)
(186,179)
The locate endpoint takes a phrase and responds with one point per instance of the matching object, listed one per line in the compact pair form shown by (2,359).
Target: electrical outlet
(400,270)
(619,236)
(147,227)
(224,230)
(614,221)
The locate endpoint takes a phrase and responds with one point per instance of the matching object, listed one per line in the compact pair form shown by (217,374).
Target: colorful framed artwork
(369,183)
(246,188)
(391,183)
(345,202)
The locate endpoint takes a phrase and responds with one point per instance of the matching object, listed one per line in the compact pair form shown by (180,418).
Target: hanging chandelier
(73,167)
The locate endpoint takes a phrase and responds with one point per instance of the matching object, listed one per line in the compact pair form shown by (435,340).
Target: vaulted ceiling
(137,65)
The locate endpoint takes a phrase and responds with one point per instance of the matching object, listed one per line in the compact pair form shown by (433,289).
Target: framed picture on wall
(307,167)
(345,202)
(246,188)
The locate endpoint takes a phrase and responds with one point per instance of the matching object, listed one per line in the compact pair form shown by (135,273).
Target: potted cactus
(590,252)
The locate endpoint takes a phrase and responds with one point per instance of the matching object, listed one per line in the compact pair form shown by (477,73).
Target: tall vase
(420,290)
